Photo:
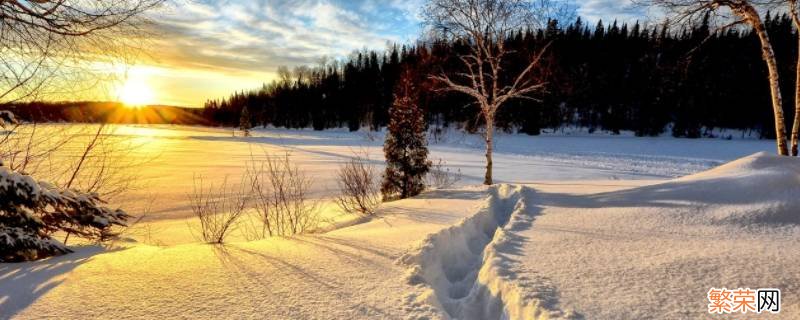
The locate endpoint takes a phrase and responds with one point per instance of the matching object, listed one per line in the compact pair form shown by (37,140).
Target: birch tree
(484,25)
(793,11)
(743,12)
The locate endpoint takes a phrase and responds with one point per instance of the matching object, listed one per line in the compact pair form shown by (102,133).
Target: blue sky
(210,48)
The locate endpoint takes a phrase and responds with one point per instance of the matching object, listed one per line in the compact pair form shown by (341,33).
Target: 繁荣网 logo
(744,300)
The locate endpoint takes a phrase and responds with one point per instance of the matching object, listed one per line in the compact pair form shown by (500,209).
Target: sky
(209,49)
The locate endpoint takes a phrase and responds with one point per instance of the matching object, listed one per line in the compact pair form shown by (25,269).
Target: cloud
(260,35)
(208,49)
(609,10)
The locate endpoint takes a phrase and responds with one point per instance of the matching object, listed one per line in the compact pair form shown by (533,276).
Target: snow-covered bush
(358,187)
(31,211)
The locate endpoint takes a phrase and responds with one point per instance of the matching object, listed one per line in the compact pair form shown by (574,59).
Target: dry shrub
(217,208)
(359,191)
(280,197)
(442,177)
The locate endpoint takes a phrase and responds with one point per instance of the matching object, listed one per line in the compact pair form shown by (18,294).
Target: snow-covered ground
(581,226)
(174,155)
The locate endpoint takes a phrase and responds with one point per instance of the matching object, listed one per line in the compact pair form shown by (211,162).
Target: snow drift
(760,189)
(618,254)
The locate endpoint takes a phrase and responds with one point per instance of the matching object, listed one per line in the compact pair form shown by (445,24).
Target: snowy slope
(655,251)
(345,274)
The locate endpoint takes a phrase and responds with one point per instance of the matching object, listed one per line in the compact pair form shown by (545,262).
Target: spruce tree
(31,211)
(405,147)
(244,121)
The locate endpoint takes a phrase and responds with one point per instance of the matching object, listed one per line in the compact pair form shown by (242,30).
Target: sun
(136,92)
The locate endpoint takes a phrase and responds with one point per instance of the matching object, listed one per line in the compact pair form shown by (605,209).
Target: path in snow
(466,270)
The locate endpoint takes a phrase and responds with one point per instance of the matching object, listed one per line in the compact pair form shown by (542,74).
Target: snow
(463,270)
(346,273)
(580,226)
(656,250)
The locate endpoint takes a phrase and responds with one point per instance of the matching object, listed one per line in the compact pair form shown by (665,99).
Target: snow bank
(465,270)
(758,189)
(654,251)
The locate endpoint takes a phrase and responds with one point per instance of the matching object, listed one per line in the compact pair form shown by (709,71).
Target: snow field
(580,235)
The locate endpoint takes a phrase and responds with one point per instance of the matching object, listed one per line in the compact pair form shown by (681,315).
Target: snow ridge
(467,271)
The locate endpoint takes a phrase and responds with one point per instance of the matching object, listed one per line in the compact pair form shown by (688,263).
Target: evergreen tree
(602,77)
(405,147)
(245,122)
(31,211)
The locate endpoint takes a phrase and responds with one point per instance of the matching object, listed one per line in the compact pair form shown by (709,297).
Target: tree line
(607,76)
(103,112)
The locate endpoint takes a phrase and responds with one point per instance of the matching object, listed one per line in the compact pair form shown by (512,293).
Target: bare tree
(484,26)
(358,186)
(87,159)
(744,12)
(217,208)
(51,47)
(793,11)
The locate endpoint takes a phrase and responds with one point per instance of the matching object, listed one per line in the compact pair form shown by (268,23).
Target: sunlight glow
(136,92)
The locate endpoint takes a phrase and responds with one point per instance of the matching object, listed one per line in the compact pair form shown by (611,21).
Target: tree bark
(796,125)
(489,141)
(772,66)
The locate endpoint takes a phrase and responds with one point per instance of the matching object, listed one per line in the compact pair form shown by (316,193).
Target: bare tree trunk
(772,66)
(796,125)
(489,141)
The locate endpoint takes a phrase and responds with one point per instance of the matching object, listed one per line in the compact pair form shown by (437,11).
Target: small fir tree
(31,211)
(405,147)
(244,121)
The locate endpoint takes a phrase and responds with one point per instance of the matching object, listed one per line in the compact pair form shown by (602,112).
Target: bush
(441,177)
(31,211)
(217,209)
(358,187)
(280,196)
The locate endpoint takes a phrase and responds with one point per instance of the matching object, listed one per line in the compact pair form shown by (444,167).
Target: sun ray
(136,92)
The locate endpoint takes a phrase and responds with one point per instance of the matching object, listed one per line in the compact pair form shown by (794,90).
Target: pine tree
(405,147)
(31,211)
(244,121)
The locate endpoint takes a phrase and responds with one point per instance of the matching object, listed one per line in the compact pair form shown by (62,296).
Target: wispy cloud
(210,48)
(609,10)
(255,35)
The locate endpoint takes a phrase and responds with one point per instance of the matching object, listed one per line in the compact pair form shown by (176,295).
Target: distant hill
(105,112)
